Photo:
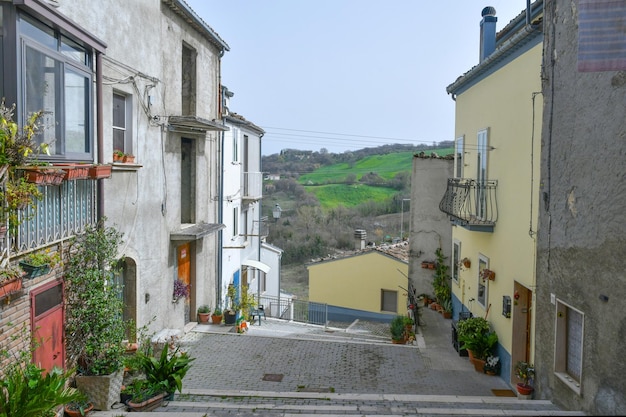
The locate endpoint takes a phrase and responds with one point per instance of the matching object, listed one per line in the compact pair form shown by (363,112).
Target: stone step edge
(362,397)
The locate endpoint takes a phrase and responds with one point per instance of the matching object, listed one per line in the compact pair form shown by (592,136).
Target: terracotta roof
(400,251)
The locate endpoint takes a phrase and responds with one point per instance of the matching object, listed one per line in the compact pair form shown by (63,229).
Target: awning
(257,265)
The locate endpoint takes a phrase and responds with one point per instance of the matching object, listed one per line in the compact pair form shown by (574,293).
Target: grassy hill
(328,182)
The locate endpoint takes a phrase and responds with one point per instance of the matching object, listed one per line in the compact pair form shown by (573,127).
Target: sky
(348,74)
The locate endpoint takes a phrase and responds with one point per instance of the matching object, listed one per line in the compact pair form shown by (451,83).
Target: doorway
(522,319)
(184,262)
(47,329)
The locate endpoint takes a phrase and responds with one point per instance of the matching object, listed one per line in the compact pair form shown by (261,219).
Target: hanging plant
(181,290)
(487,274)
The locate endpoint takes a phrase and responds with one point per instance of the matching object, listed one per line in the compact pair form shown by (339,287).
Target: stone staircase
(199,403)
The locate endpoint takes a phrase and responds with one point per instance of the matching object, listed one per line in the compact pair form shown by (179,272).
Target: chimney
(487,32)
(359,239)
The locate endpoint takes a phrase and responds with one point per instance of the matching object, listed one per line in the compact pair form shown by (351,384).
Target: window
(456,256)
(568,355)
(481,175)
(121,123)
(187,181)
(389,301)
(235,145)
(57,79)
(458,157)
(481,297)
(245,225)
(235,222)
(188,80)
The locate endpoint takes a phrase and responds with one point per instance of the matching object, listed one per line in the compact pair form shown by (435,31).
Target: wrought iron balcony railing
(471,204)
(252,185)
(64,211)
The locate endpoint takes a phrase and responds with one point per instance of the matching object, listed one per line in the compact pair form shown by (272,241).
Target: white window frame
(235,145)
(127,127)
(568,347)
(483,262)
(456,258)
(482,142)
(459,157)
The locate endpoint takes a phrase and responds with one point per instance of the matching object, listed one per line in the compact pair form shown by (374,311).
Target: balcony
(471,204)
(64,211)
(252,186)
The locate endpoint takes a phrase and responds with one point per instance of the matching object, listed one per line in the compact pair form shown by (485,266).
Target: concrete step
(201,403)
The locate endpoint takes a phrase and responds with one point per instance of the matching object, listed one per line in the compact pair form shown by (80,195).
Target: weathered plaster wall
(582,219)
(430,228)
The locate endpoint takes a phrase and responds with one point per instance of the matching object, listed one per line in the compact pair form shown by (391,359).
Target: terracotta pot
(524,389)
(10,286)
(97,172)
(76,413)
(479,365)
(203,317)
(148,405)
(216,319)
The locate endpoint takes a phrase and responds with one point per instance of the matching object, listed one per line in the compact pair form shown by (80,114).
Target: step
(197,403)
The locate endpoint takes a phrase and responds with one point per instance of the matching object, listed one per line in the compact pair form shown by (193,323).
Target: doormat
(273,377)
(503,393)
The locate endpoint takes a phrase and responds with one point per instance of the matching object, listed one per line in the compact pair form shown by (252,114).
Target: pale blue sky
(348,74)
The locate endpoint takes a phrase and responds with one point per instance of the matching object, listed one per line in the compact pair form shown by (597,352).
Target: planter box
(44,176)
(9,287)
(103,391)
(97,172)
(148,405)
(75,171)
(33,271)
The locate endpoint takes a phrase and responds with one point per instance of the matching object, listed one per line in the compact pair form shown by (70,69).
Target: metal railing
(295,310)
(64,211)
(471,203)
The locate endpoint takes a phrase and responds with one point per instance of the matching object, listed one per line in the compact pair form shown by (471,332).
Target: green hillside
(331,196)
(386,166)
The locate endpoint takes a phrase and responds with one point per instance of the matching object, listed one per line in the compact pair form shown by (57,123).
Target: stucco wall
(582,220)
(356,281)
(429,227)
(145,202)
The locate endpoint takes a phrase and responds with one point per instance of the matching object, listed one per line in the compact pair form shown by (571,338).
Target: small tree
(94,327)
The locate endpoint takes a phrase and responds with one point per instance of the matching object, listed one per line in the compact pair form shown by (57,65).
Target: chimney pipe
(487,32)
(359,239)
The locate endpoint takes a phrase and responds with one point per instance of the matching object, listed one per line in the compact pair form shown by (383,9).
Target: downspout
(99,135)
(220,193)
(260,217)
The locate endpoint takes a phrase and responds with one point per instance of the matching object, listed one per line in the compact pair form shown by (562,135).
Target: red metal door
(47,316)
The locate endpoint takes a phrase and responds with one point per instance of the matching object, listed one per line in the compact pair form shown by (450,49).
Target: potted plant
(487,274)
(204,312)
(397,328)
(95,329)
(78,408)
(447,309)
(100,171)
(525,372)
(143,395)
(230,313)
(118,155)
(39,263)
(216,317)
(10,281)
(168,370)
(128,158)
(492,365)
(181,290)
(475,335)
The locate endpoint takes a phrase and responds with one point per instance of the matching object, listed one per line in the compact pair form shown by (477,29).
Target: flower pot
(74,171)
(230,319)
(33,271)
(479,365)
(76,412)
(129,159)
(97,172)
(147,405)
(447,314)
(524,389)
(44,176)
(216,319)
(103,390)
(10,286)
(203,317)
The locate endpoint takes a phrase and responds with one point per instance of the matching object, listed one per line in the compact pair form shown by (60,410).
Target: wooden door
(184,274)
(47,317)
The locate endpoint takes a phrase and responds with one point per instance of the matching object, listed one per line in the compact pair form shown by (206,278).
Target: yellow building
(370,284)
(493,198)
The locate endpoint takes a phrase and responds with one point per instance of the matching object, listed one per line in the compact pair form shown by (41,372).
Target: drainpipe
(99,135)
(220,220)
(260,216)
